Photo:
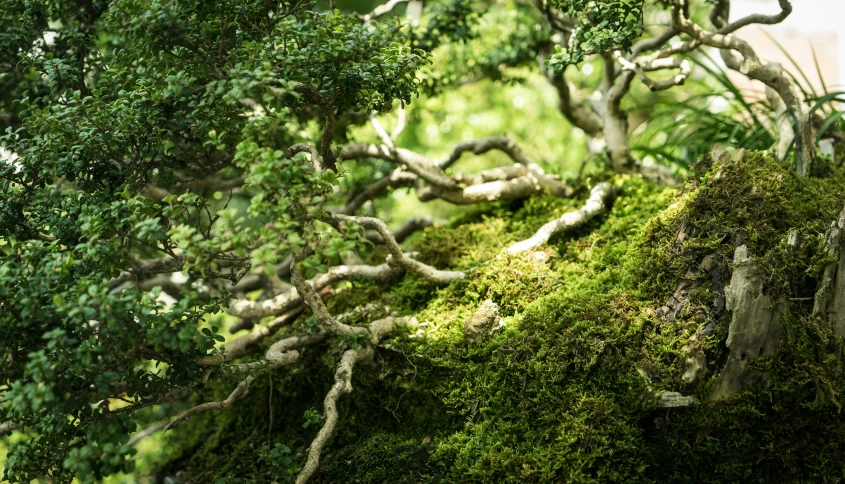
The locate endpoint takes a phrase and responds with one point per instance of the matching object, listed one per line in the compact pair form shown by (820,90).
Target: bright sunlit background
(814,25)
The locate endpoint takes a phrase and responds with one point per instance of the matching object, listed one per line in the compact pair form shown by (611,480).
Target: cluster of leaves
(138,97)
(521,30)
(74,352)
(54,37)
(601,26)
(451,21)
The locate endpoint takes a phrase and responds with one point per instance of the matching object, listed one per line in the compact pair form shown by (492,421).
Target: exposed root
(239,391)
(601,197)
(343,384)
(281,353)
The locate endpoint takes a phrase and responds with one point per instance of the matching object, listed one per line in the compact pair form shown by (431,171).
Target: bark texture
(756,329)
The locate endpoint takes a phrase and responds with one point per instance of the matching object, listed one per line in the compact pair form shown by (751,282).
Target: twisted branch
(640,67)
(398,258)
(748,63)
(601,197)
(239,391)
(246,309)
(342,384)
(416,163)
(313,300)
(408,227)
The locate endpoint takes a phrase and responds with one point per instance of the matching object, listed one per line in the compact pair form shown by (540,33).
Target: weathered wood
(675,400)
(756,329)
(830,297)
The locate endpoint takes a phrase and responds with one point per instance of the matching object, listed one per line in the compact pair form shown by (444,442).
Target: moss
(565,392)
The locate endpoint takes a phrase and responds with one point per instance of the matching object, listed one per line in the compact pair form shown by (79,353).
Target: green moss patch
(565,393)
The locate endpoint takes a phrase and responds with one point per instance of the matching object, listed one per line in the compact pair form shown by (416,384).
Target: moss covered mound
(566,392)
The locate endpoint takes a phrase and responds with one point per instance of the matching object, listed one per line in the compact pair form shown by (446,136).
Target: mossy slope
(565,393)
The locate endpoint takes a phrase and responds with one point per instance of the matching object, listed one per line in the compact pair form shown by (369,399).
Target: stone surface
(485,319)
(695,367)
(675,400)
(837,307)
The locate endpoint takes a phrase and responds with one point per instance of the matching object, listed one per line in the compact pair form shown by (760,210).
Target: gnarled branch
(313,300)
(398,258)
(416,163)
(408,227)
(343,384)
(239,391)
(283,302)
(749,63)
(601,197)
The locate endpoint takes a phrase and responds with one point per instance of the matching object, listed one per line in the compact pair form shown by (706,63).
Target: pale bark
(239,391)
(601,197)
(416,163)
(342,385)
(313,300)
(412,224)
(397,257)
(749,63)
(283,302)
(8,427)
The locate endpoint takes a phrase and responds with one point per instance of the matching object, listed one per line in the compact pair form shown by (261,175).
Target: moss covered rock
(596,327)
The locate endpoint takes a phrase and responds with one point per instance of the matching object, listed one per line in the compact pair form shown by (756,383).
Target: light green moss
(562,394)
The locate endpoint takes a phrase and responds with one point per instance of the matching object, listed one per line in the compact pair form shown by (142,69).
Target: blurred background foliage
(491,85)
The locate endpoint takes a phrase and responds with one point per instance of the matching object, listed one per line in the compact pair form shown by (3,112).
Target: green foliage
(280,465)
(681,128)
(132,93)
(600,26)
(521,30)
(312,417)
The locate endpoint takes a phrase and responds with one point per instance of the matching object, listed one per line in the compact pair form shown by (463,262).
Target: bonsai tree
(172,167)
